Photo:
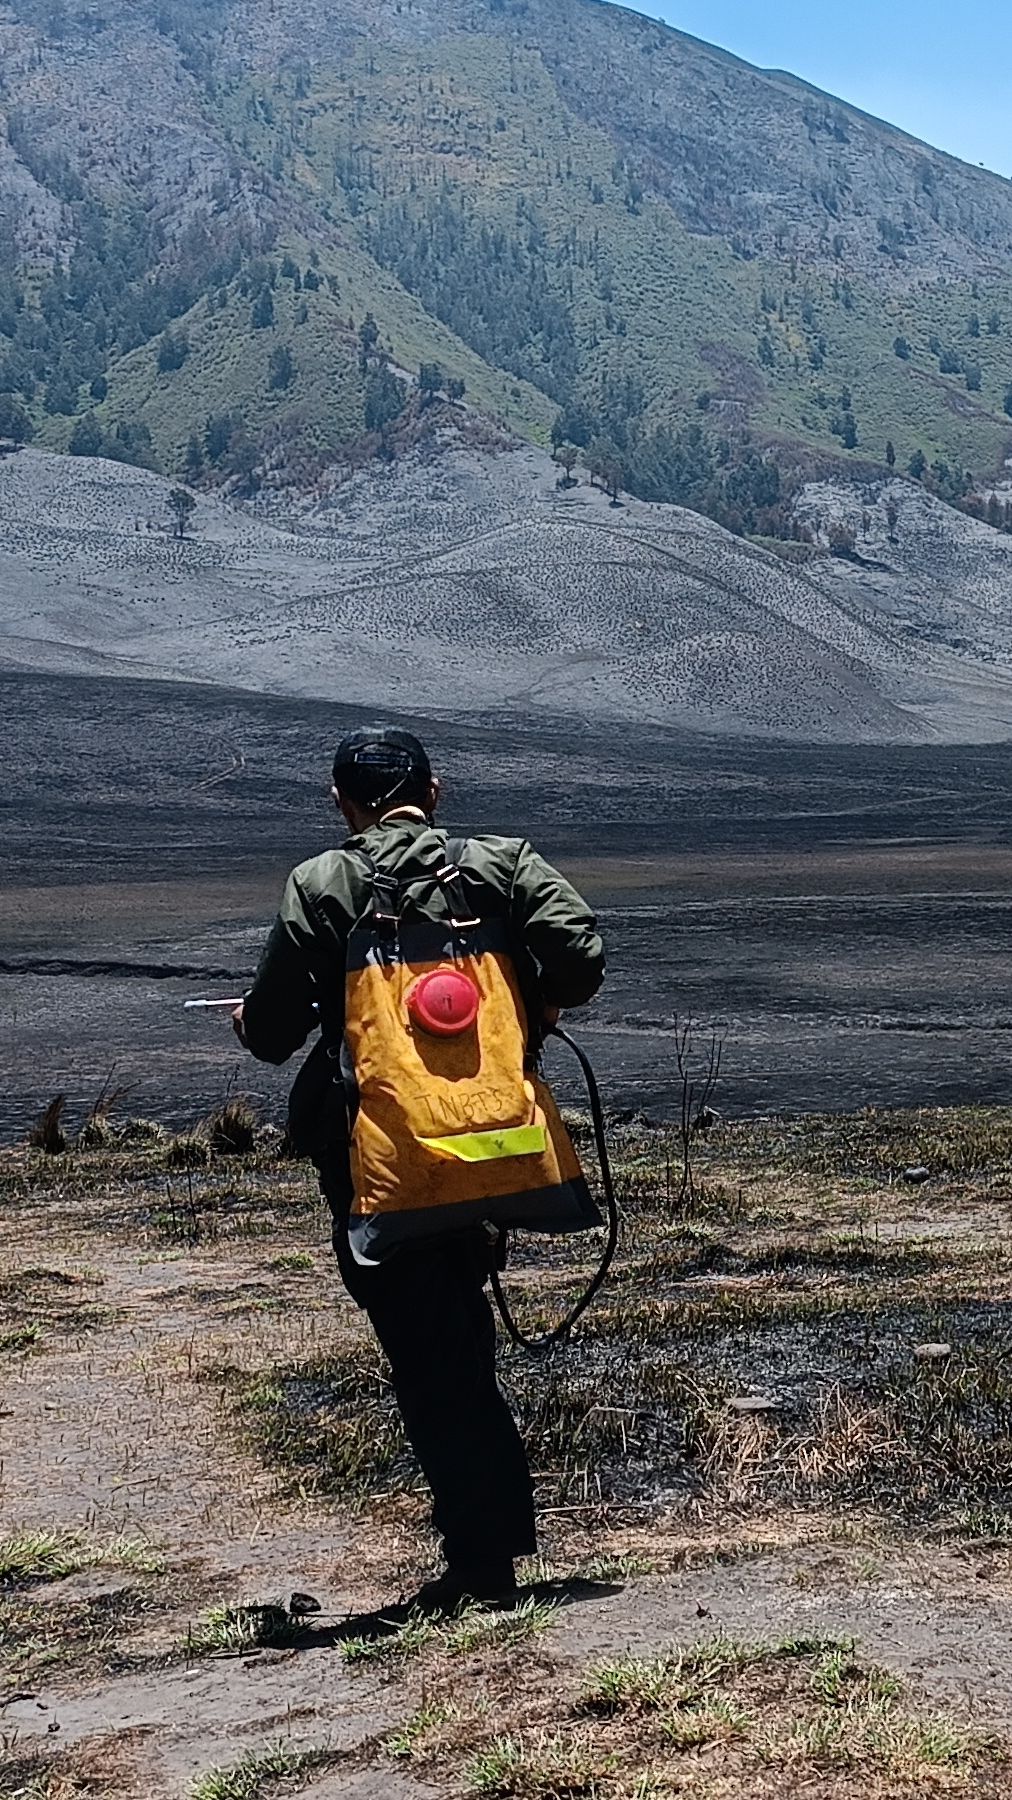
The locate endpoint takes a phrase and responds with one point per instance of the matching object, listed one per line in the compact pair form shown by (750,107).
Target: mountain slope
(564,204)
(469,582)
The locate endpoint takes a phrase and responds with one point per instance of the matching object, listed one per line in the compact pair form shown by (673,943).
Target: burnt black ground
(841,915)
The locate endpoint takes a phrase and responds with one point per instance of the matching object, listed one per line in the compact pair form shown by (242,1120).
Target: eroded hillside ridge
(471,582)
(737,150)
(234,229)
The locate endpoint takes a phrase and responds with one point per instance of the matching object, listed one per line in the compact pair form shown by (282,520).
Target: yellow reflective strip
(492,1146)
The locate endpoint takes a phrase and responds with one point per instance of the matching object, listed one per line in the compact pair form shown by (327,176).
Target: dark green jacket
(559,955)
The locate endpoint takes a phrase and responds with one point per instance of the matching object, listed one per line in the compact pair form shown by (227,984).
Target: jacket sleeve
(278,1011)
(558,928)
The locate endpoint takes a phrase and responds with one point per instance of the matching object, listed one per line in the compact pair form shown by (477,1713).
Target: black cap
(379,764)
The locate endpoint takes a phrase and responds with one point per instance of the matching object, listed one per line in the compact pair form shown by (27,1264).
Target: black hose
(561,1332)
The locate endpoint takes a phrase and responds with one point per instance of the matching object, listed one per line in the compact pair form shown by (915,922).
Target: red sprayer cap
(444,1003)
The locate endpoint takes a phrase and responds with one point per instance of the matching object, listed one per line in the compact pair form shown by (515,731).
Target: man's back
(560,957)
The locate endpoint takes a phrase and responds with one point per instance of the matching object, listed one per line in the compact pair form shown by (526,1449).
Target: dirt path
(110,1432)
(111,1429)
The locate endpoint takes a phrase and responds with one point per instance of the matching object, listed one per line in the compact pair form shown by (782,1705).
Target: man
(426,1300)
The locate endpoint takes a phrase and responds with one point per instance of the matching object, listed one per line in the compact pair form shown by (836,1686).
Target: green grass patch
(471,1630)
(21,1338)
(35,1556)
(234,1630)
(260,1774)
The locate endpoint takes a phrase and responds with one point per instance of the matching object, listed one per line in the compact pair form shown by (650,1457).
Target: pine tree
(182,506)
(281,368)
(15,425)
(262,315)
(87,437)
(368,337)
(431,381)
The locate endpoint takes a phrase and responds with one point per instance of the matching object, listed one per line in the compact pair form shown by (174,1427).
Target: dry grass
(41,1640)
(822,1318)
(879,1144)
(47,1134)
(232,1129)
(724,1717)
(38,1304)
(641,1407)
(53,1631)
(101,1768)
(190,1150)
(262,1774)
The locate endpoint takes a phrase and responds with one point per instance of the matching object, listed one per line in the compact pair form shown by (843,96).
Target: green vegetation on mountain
(694,274)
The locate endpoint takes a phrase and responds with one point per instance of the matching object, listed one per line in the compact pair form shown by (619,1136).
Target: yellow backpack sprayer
(451,1124)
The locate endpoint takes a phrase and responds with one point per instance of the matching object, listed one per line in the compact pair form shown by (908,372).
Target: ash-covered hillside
(473,583)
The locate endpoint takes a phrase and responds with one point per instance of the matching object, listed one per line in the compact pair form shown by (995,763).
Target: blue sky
(938,70)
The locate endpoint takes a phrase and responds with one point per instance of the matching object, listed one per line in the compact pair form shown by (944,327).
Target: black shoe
(484,1584)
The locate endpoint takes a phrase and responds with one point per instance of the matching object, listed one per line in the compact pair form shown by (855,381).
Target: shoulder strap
(450,880)
(387,890)
(384,891)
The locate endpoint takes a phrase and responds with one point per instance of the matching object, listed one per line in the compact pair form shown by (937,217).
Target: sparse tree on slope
(568,456)
(87,437)
(281,369)
(891,454)
(384,399)
(262,315)
(368,337)
(173,350)
(604,460)
(431,381)
(15,425)
(182,506)
(194,464)
(217,435)
(614,477)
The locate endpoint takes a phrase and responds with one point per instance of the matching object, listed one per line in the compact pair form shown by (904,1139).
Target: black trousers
(428,1306)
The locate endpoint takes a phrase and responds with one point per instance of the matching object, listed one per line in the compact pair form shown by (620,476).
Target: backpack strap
(385,892)
(386,889)
(451,881)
